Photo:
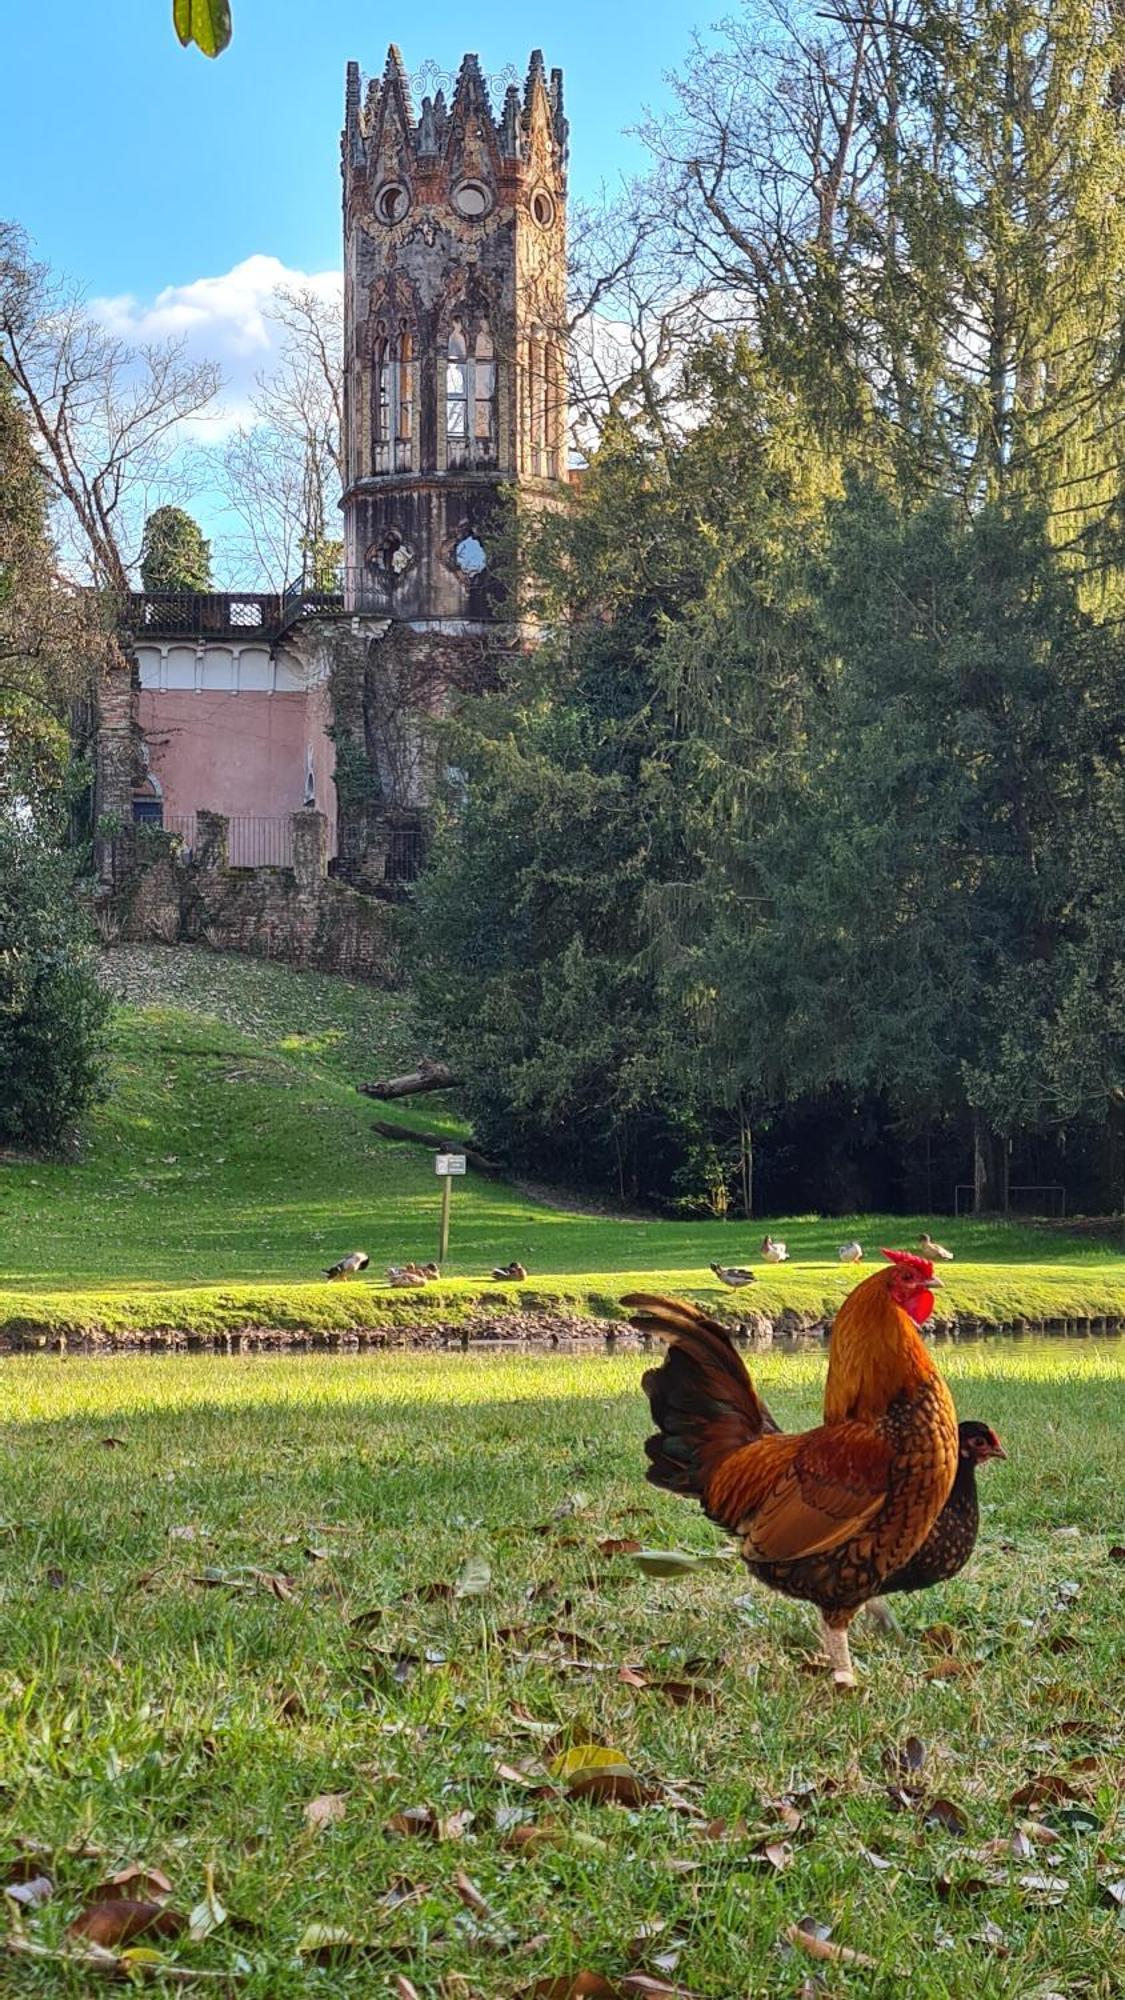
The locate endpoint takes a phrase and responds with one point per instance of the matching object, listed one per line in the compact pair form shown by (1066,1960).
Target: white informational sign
(449,1163)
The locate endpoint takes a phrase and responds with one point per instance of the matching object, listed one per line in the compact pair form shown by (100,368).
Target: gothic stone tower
(454,278)
(454,388)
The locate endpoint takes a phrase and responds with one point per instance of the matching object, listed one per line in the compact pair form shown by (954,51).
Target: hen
(824,1515)
(953,1537)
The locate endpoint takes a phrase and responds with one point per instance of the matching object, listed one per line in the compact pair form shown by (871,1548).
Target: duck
(431,1272)
(850,1253)
(349,1266)
(404,1275)
(936,1252)
(774,1251)
(513,1273)
(733,1275)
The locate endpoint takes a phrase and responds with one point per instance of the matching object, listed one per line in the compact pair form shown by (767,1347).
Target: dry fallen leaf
(1048,1788)
(139,1883)
(471,1896)
(943,1812)
(808,1936)
(326,1810)
(475,1578)
(322,1941)
(117,1922)
(907,1758)
(30,1890)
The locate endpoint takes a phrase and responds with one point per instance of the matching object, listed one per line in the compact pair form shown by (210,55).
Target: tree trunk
(427,1076)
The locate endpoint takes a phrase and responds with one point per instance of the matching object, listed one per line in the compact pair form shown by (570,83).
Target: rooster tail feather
(702,1400)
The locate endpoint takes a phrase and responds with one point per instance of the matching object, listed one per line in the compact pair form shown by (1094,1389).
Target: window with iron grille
(470,399)
(394,398)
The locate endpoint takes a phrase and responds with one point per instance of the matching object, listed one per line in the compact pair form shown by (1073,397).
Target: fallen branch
(438,1142)
(427,1076)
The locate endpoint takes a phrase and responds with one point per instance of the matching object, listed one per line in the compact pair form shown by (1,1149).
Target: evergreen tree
(174,554)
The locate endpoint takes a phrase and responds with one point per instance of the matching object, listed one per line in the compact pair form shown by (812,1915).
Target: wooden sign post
(445,1166)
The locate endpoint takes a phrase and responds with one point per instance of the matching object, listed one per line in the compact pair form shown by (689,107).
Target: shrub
(52,1009)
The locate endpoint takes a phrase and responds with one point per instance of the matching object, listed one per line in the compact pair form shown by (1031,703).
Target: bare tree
(107,418)
(281,474)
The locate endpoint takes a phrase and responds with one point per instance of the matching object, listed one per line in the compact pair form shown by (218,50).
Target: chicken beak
(934,1284)
(996,1451)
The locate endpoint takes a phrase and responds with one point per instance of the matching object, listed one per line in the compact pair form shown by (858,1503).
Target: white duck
(774,1251)
(850,1253)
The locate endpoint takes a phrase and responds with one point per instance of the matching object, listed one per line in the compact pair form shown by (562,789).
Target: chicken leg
(836,1646)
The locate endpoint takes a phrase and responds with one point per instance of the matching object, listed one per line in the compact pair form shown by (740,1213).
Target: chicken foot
(839,1654)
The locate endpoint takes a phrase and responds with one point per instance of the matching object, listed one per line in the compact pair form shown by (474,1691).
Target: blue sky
(138,165)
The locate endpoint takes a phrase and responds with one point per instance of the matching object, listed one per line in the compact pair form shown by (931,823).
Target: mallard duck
(350,1266)
(513,1272)
(404,1275)
(850,1253)
(774,1252)
(733,1275)
(936,1252)
(430,1272)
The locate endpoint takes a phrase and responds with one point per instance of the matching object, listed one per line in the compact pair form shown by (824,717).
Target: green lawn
(233,1159)
(151,1717)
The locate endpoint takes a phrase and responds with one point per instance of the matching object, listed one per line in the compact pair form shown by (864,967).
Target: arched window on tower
(393,440)
(470,399)
(543,405)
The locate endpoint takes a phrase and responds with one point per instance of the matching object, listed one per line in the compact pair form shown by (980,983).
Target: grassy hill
(233,1159)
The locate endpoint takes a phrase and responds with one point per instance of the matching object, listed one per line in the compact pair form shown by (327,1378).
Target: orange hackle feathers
(877,1351)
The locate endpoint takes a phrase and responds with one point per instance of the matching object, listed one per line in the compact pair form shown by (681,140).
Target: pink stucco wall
(238,753)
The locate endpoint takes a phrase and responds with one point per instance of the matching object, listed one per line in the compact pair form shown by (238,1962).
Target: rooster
(824,1515)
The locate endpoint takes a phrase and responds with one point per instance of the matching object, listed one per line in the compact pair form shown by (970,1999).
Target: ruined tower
(454,285)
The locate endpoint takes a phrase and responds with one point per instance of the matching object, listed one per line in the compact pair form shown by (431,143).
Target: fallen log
(438,1142)
(427,1076)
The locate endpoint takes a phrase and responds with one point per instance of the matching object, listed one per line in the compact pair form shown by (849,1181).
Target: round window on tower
(391,557)
(469,557)
(391,201)
(471,200)
(542,208)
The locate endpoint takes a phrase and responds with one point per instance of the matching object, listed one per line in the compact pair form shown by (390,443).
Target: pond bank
(491,1329)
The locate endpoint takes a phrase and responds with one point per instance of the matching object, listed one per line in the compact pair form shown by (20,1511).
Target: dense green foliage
(51,1006)
(174,553)
(788,868)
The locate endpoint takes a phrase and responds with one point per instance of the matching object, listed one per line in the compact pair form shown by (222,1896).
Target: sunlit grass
(148,1717)
(233,1160)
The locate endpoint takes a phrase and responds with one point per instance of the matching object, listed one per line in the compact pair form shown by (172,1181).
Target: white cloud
(223,319)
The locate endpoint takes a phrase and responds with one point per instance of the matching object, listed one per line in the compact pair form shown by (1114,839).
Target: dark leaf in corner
(943,1812)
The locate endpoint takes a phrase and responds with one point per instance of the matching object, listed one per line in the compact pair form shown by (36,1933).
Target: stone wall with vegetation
(299,914)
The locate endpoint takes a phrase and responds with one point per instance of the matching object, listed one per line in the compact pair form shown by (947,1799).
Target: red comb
(919,1266)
